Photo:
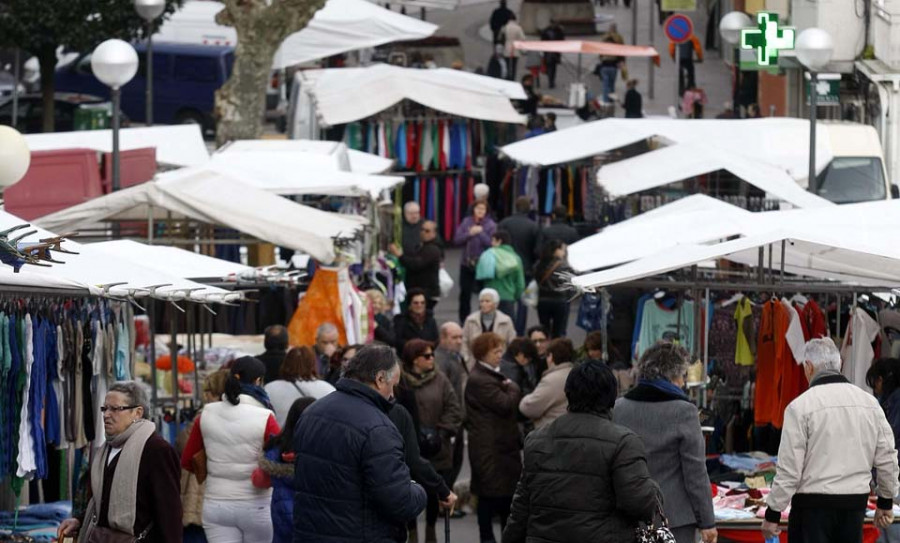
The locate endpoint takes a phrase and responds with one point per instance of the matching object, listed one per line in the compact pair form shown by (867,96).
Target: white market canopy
(333,154)
(771,154)
(208,196)
(293,175)
(172,260)
(339,27)
(853,243)
(441,4)
(91,269)
(695,219)
(343,95)
(176,145)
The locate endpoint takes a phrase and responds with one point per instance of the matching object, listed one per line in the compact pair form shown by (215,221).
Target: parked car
(7,84)
(30,113)
(185,79)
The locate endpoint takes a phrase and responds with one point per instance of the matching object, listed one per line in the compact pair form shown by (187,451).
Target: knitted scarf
(258,393)
(123,491)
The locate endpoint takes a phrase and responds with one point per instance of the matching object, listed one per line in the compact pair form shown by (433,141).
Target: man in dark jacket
(412,227)
(351,479)
(558,229)
(423,264)
(600,467)
(524,236)
(499,18)
(276,343)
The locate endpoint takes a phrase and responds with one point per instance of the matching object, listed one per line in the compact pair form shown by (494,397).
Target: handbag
(655,532)
(430,442)
(100,534)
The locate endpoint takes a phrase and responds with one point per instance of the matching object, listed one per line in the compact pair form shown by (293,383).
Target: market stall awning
(176,145)
(339,27)
(587,47)
(92,268)
(295,174)
(779,142)
(807,254)
(678,162)
(208,196)
(333,154)
(343,95)
(171,260)
(440,4)
(695,219)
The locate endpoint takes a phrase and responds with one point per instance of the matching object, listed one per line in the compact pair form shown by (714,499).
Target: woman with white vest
(232,433)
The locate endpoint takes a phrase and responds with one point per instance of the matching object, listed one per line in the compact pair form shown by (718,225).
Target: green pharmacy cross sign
(768,38)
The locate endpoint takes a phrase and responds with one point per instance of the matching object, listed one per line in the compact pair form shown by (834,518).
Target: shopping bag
(446,282)
(530,297)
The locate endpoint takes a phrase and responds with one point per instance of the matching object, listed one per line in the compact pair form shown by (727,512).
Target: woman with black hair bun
(232,434)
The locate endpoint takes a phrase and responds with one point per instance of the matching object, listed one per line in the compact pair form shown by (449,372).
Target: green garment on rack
(16,483)
(354,136)
(388,139)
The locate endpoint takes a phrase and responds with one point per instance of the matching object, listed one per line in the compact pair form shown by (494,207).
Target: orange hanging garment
(321,304)
(767,379)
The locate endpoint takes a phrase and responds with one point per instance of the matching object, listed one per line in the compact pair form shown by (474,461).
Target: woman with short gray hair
(659,411)
(130,477)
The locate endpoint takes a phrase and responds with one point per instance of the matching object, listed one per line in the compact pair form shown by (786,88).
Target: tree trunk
(47,61)
(241,102)
(261,26)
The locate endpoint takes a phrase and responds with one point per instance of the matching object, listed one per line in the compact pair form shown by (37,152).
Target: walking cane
(447,525)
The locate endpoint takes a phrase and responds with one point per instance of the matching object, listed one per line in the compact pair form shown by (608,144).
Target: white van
(857,173)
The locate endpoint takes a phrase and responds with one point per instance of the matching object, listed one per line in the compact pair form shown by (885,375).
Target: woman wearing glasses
(232,432)
(134,477)
(429,397)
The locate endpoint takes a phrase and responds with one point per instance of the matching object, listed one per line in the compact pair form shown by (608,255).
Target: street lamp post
(730,29)
(814,48)
(114,63)
(149,10)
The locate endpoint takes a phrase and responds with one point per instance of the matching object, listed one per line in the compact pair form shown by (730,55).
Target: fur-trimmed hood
(283,469)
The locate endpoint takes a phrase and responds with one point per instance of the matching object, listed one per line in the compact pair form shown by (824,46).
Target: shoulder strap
(302,395)
(549,273)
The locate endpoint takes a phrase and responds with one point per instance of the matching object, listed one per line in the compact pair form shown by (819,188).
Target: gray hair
(481,190)
(408,206)
(823,354)
(135,394)
(490,292)
(371,360)
(664,360)
(325,328)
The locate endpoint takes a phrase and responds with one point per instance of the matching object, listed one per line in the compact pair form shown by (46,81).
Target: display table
(748,531)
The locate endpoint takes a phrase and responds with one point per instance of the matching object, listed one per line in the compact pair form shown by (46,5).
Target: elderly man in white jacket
(834,434)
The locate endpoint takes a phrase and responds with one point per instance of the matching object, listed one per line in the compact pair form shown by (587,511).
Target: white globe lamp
(731,25)
(115,63)
(15,157)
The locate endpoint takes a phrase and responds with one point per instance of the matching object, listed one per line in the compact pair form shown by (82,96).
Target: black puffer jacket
(352,483)
(585,479)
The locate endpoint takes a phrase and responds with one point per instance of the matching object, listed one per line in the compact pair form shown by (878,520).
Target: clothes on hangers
(857,350)
(659,322)
(743,316)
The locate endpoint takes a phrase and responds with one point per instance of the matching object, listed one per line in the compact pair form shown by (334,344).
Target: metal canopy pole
(650,82)
(781,276)
(173,356)
(152,353)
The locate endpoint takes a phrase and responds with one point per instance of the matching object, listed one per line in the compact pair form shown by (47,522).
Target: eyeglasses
(117,408)
(428,355)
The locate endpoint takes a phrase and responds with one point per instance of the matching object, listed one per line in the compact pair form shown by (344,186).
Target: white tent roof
(292,174)
(816,256)
(92,268)
(771,154)
(695,219)
(343,95)
(334,154)
(171,260)
(848,243)
(340,26)
(178,145)
(212,197)
(441,4)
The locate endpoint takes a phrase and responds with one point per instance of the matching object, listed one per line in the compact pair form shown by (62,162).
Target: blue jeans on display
(608,77)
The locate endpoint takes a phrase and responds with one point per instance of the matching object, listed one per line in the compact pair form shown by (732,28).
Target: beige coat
(512,32)
(503,327)
(548,401)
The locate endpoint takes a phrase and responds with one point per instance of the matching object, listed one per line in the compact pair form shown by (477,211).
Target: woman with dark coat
(134,478)
(553,290)
(416,322)
(492,407)
(659,411)
(428,396)
(585,478)
(276,471)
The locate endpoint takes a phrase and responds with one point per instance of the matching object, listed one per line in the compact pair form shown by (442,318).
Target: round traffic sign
(678,28)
